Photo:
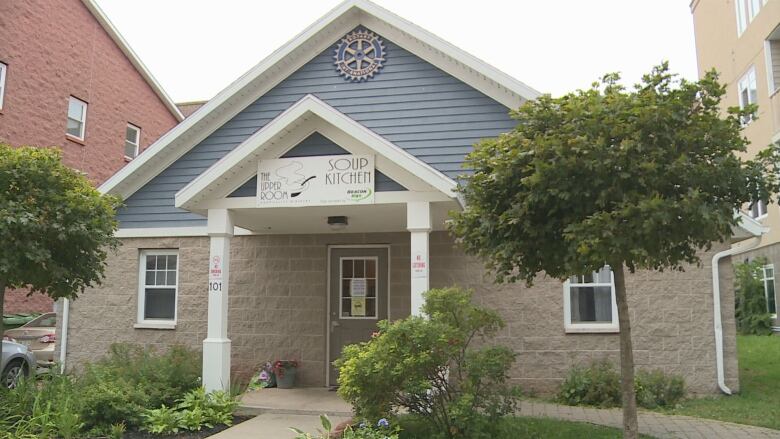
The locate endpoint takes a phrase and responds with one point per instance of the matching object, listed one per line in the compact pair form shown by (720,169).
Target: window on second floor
(3,70)
(748,93)
(757,209)
(77,118)
(746,12)
(132,141)
(772,57)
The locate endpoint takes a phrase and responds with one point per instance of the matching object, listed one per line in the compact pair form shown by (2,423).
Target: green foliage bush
(365,430)
(599,385)
(430,366)
(751,312)
(109,396)
(657,389)
(197,409)
(596,385)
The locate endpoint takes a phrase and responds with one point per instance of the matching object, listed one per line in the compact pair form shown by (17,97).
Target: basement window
(769,289)
(589,302)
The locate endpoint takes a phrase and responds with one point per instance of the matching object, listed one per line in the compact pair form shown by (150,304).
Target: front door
(358,297)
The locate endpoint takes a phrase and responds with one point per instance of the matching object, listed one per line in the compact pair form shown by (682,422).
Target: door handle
(334,324)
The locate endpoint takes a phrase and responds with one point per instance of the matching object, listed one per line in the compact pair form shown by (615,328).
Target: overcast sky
(195,48)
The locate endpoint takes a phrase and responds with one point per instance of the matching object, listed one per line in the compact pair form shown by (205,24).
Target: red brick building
(69,80)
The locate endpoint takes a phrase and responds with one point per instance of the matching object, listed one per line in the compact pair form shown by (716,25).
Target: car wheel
(13,373)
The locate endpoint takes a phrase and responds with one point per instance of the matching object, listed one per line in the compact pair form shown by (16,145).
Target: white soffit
(292,56)
(243,157)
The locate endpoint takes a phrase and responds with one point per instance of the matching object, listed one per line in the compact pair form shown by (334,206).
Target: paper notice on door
(358,307)
(358,287)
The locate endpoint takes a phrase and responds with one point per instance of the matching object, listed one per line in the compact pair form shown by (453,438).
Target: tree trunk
(630,423)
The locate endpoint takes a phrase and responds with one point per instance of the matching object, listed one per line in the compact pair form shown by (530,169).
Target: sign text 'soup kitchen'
(316,181)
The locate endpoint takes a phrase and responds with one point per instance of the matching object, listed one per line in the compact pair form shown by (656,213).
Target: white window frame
(746,12)
(138,140)
(586,327)
(764,279)
(143,323)
(745,82)
(376,286)
(83,121)
(3,73)
(762,210)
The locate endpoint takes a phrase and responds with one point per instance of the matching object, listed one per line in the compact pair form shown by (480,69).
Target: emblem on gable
(359,55)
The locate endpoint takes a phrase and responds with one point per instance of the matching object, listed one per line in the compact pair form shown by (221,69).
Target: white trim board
(114,34)
(293,55)
(240,164)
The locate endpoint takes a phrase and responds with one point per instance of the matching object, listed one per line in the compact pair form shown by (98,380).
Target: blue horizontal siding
(410,102)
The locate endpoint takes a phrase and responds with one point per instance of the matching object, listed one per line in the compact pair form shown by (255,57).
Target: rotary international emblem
(359,55)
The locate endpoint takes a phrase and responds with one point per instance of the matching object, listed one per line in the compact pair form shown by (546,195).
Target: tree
(55,227)
(634,179)
(752,310)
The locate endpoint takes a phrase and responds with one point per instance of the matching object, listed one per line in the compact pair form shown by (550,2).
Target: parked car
(39,335)
(17,362)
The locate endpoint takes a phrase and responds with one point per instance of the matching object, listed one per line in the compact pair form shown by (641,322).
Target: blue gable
(418,107)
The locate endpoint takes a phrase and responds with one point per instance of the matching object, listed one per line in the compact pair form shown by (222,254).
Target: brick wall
(278,306)
(55,49)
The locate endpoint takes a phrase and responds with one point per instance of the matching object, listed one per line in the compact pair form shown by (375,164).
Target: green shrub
(429,366)
(657,389)
(599,385)
(751,312)
(596,385)
(197,409)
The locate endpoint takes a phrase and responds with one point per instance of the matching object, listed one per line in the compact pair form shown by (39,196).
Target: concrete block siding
(278,309)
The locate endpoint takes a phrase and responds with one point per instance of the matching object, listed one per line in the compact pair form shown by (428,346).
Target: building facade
(308,200)
(69,80)
(741,40)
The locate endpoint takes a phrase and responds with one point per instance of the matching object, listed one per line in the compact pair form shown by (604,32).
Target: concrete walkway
(279,409)
(650,423)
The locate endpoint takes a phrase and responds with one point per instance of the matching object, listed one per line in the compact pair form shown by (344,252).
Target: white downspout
(716,307)
(63,339)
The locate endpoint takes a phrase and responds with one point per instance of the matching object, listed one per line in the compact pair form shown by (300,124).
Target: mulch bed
(185,434)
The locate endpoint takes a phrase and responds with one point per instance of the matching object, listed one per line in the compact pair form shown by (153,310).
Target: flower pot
(286,380)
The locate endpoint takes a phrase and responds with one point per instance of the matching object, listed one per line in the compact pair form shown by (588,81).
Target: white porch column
(418,222)
(216,346)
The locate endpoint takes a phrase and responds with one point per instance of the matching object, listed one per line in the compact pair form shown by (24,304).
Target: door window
(357,288)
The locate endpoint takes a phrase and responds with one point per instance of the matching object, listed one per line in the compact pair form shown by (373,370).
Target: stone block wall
(278,306)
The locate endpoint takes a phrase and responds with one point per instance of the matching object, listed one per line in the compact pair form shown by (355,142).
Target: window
(747,92)
(77,118)
(132,141)
(746,12)
(769,289)
(357,289)
(157,286)
(757,209)
(589,302)
(772,57)
(3,71)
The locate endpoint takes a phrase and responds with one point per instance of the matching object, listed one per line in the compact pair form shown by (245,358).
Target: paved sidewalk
(650,423)
(279,409)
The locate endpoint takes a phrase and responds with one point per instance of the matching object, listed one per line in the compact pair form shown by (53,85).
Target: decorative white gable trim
(243,158)
(114,34)
(292,56)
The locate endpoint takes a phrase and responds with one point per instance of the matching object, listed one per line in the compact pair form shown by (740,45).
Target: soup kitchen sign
(316,181)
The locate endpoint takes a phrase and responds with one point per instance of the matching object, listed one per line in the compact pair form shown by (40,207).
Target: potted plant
(285,373)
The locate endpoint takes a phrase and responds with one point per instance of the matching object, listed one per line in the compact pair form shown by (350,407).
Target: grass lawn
(758,401)
(525,428)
